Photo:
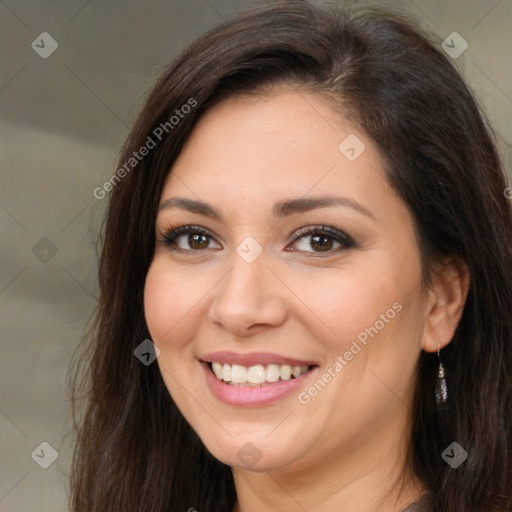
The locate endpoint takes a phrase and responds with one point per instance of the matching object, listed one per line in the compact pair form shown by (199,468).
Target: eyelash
(170,236)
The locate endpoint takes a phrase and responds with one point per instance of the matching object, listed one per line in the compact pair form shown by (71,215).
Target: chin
(252,452)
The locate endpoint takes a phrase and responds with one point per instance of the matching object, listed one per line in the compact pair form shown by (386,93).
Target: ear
(445,303)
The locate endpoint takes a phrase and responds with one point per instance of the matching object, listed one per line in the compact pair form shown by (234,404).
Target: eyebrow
(280,209)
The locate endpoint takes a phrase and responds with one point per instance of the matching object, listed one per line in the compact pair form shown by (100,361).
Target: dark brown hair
(135,452)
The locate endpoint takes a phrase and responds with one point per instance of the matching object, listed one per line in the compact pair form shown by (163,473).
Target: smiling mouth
(257,375)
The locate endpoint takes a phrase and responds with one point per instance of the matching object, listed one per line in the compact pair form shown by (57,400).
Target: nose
(250,299)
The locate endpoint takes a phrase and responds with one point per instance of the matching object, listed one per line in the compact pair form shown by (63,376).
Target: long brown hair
(134,451)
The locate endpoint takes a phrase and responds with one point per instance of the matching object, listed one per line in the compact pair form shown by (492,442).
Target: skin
(347,448)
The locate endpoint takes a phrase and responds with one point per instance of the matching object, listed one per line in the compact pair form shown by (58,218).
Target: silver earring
(441,387)
(441,393)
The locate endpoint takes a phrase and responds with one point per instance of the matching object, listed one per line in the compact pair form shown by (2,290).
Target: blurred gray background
(63,119)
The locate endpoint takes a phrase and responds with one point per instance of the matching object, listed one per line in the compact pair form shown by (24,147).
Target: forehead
(276,145)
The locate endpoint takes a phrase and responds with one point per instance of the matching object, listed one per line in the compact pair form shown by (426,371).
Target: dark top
(424,504)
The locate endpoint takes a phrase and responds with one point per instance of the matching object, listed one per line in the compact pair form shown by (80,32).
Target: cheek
(169,305)
(169,310)
(352,300)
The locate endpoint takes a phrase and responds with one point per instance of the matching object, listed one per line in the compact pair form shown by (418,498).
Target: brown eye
(197,241)
(322,239)
(324,243)
(188,238)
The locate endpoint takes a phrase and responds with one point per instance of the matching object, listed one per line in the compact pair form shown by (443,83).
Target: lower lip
(247,396)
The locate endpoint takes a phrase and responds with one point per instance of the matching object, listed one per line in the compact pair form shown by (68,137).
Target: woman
(308,227)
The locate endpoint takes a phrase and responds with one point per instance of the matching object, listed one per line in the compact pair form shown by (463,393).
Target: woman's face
(304,274)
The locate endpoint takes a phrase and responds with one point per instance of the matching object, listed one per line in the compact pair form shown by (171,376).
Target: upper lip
(254,358)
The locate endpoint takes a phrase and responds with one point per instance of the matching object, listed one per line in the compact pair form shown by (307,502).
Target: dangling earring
(441,393)
(441,387)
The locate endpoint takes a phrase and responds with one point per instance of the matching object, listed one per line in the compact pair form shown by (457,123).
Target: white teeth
(256,375)
(286,372)
(226,373)
(238,374)
(272,373)
(296,370)
(217,369)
